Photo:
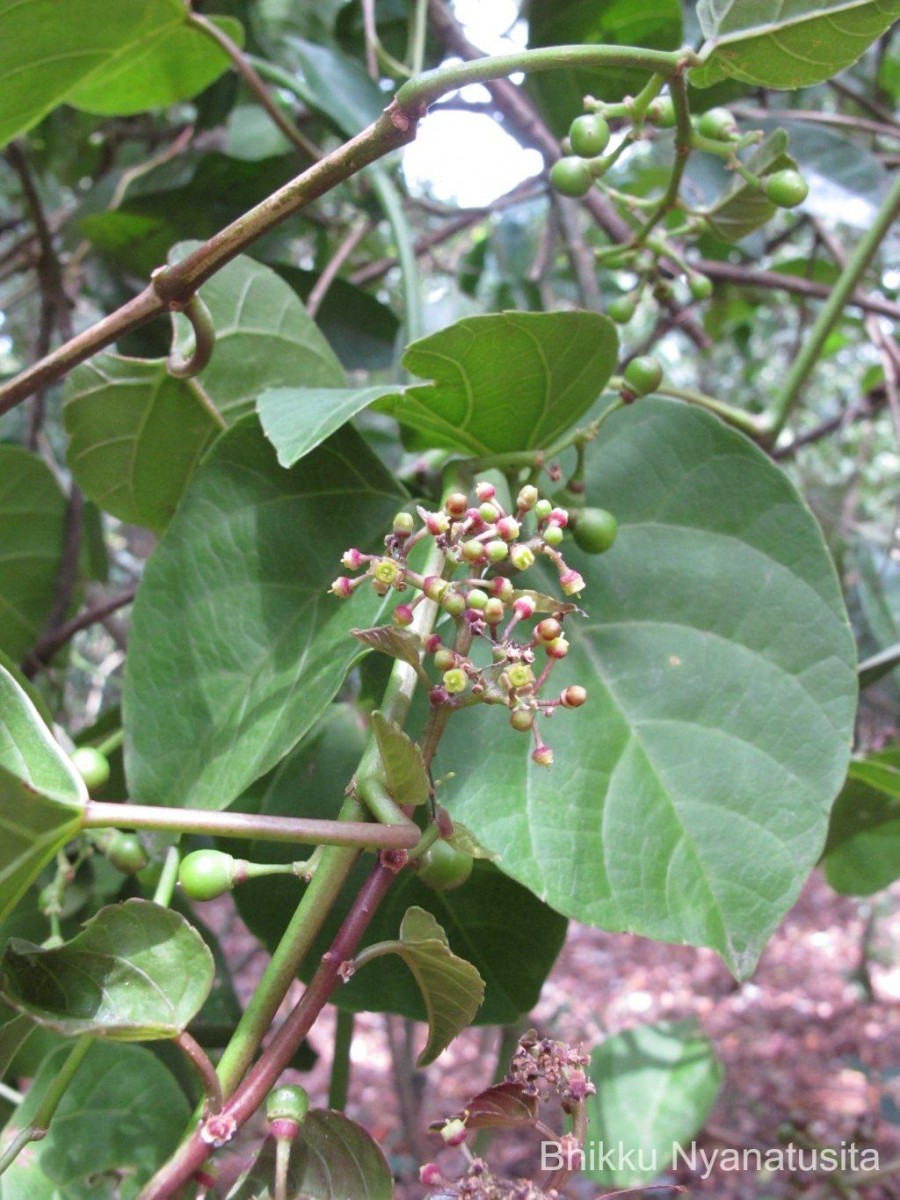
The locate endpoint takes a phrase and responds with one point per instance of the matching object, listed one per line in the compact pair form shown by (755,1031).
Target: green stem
(389,199)
(683,135)
(39,1123)
(300,830)
(339,1083)
(112,743)
(830,314)
(283,1148)
(168,878)
(383,808)
(736,417)
(187,366)
(420,93)
(331,872)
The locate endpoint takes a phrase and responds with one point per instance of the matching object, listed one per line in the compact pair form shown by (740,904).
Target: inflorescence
(483,546)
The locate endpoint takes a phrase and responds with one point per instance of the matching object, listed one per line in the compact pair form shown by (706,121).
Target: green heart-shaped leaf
(332,1158)
(42,796)
(237,646)
(137,971)
(689,797)
(862,854)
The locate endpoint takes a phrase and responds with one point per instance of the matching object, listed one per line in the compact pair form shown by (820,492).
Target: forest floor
(811,1043)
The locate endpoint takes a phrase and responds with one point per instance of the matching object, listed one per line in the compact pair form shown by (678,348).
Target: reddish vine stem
(252,1093)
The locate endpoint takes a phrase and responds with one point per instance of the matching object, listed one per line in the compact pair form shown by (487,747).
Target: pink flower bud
(437,523)
(524,607)
(485,490)
(558,648)
(571,583)
(456,504)
(434,587)
(430,1175)
(560,516)
(542,756)
(508,528)
(503,588)
(403,615)
(342,587)
(352,559)
(454,1131)
(432,643)
(528,497)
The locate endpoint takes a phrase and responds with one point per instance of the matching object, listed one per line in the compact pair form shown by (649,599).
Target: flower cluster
(483,545)
(542,1066)
(479,1183)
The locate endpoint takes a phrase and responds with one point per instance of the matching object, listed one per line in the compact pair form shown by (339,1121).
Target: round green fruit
(571,176)
(718,124)
(206,874)
(589,135)
(595,530)
(290,1102)
(786,189)
(661,112)
(444,868)
(92,766)
(643,375)
(127,854)
(621,310)
(701,287)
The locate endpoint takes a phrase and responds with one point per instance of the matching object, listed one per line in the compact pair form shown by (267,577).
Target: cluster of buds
(543,1067)
(479,1183)
(483,546)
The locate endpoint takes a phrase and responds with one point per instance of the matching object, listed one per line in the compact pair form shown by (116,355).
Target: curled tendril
(185,367)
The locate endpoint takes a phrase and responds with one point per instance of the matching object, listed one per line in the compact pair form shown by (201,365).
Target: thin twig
(200,1061)
(840,120)
(254,83)
(775,280)
(580,257)
(45,649)
(337,260)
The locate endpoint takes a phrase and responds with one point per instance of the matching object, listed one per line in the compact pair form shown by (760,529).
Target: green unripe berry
(621,310)
(443,867)
(571,176)
(589,135)
(718,124)
(454,603)
(786,189)
(553,535)
(488,512)
(496,550)
(92,766)
(455,681)
(404,524)
(444,660)
(595,530)
(661,112)
(289,1102)
(494,611)
(476,598)
(206,874)
(643,375)
(543,509)
(528,497)
(472,551)
(701,286)
(127,854)
(521,719)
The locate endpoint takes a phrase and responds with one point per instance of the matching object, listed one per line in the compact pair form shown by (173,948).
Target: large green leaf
(139,55)
(42,797)
(177,64)
(452,989)
(653,24)
(296,420)
(236,644)
(862,854)
(655,1087)
(788,43)
(32,527)
(332,1158)
(136,435)
(137,972)
(120,1117)
(690,796)
(502,382)
(137,432)
(491,921)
